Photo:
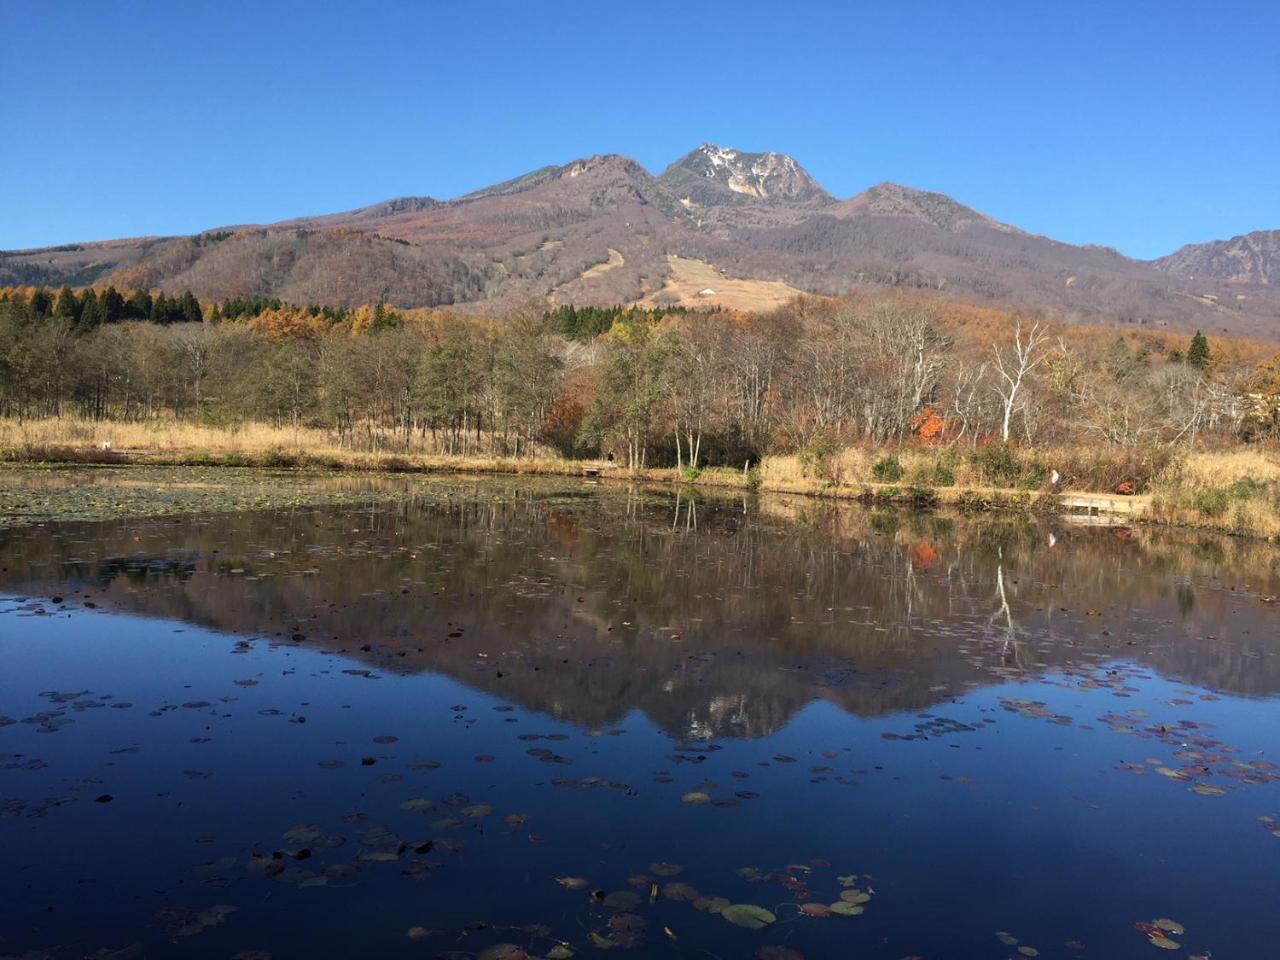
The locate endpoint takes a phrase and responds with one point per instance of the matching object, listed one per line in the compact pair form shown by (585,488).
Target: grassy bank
(1235,491)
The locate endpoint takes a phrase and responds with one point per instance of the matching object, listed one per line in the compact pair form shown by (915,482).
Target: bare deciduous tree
(1014,364)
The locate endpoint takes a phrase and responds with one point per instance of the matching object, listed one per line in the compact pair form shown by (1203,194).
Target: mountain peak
(896,200)
(1251,258)
(713,174)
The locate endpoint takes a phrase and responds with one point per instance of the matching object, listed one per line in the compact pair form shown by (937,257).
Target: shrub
(277,457)
(922,497)
(690,474)
(815,459)
(1247,488)
(998,464)
(887,470)
(887,493)
(1211,501)
(1034,475)
(943,475)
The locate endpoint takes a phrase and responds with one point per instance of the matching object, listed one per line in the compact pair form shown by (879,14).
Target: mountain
(895,200)
(722,188)
(1252,258)
(719,226)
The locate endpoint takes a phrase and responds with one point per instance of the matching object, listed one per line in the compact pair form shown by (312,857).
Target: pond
(504,719)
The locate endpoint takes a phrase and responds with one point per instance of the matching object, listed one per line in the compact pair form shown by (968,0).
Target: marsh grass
(1234,490)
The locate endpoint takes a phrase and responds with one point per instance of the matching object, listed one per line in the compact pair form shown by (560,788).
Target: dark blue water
(494,722)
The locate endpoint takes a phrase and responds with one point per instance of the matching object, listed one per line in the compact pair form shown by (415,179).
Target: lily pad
(846,909)
(748,915)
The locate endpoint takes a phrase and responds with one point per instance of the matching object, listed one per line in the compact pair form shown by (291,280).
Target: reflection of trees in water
(138,570)
(713,618)
(1010,652)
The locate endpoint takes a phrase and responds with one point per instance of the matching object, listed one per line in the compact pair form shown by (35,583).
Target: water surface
(506,718)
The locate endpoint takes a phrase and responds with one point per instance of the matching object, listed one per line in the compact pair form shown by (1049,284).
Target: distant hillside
(1253,258)
(719,226)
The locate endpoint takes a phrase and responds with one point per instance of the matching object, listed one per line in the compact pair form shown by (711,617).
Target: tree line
(684,388)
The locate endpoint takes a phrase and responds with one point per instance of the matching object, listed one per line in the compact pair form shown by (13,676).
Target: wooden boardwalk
(1108,503)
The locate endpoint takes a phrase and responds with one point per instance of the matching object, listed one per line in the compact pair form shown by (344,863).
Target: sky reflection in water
(496,715)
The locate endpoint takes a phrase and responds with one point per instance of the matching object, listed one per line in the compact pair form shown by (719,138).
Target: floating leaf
(748,915)
(627,930)
(1208,790)
(665,869)
(695,797)
(686,892)
(301,835)
(846,909)
(622,900)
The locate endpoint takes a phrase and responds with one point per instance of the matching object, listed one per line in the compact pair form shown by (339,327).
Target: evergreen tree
(189,307)
(1117,360)
(1198,353)
(41,302)
(90,310)
(112,305)
(385,318)
(139,305)
(67,307)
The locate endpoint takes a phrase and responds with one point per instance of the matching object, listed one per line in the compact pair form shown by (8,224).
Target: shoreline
(1106,509)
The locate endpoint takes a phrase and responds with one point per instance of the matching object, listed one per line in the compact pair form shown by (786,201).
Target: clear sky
(1140,125)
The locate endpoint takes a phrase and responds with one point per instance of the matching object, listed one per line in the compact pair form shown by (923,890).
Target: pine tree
(139,305)
(190,308)
(90,310)
(41,302)
(1198,353)
(67,307)
(112,305)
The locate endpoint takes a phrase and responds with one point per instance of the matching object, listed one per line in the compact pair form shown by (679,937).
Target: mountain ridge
(603,230)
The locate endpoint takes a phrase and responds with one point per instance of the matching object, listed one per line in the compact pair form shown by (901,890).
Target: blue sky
(1138,125)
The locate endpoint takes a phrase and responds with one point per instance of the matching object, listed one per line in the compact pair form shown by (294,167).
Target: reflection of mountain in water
(721,623)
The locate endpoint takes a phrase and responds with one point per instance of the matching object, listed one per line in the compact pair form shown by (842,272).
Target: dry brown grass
(71,440)
(615,260)
(161,436)
(1235,491)
(689,277)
